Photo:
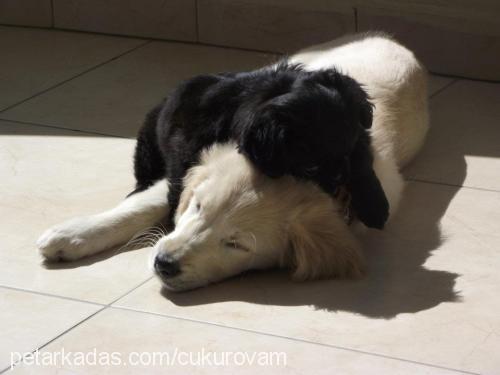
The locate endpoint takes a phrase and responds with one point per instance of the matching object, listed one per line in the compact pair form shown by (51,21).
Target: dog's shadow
(88,260)
(397,279)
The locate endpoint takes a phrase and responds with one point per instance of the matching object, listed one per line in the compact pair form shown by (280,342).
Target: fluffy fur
(229,216)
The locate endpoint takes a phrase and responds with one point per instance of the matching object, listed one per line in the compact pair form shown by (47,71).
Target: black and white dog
(237,155)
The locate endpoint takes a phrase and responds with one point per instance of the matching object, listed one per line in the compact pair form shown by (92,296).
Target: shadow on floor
(87,261)
(397,281)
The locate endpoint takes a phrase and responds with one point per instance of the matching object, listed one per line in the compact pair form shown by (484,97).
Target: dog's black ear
(263,140)
(368,196)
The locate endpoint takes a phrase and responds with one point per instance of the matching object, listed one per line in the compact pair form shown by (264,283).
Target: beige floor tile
(115,98)
(437,83)
(52,175)
(34,60)
(27,321)
(166,19)
(462,147)
(430,294)
(125,332)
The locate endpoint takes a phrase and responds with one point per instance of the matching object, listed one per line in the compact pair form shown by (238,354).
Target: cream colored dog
(231,218)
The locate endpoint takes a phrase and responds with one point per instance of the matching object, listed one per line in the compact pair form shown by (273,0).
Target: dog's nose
(166,266)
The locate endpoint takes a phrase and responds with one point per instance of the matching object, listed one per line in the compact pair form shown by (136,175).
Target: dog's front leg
(87,235)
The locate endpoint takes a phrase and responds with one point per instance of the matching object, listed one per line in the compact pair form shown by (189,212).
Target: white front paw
(70,240)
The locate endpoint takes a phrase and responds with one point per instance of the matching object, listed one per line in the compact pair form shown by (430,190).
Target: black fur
(312,125)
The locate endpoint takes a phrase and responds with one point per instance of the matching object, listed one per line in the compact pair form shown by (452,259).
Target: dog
(231,216)
(286,120)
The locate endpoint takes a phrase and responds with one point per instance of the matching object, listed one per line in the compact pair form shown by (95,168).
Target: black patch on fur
(312,125)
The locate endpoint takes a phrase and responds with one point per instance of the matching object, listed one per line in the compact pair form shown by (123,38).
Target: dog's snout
(166,267)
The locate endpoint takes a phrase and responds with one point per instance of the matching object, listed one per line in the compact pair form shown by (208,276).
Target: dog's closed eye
(233,244)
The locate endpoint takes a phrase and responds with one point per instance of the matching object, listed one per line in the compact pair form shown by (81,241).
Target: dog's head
(232,218)
(304,123)
(314,125)
(309,124)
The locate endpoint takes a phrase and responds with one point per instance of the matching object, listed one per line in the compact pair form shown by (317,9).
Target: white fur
(232,218)
(87,235)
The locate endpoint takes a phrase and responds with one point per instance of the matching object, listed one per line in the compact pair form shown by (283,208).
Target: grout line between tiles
(61,128)
(76,299)
(451,185)
(75,76)
(50,295)
(460,78)
(443,88)
(55,338)
(290,338)
(130,291)
(103,307)
(150,39)
(194,43)
(109,306)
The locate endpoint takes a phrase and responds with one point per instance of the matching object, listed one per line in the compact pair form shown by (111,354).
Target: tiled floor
(69,104)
